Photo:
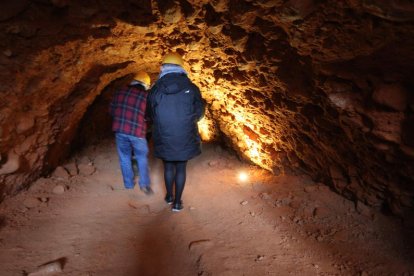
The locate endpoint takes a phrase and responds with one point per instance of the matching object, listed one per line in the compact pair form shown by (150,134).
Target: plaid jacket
(128,111)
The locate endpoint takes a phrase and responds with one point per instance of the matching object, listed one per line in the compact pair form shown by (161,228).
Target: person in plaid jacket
(127,109)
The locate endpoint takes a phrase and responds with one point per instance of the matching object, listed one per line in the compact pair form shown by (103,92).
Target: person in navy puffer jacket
(174,107)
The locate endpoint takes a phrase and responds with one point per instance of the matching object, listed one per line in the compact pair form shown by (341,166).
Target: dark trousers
(175,173)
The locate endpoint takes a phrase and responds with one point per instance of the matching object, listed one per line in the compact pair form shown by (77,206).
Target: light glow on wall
(204,129)
(238,121)
(243,176)
(252,149)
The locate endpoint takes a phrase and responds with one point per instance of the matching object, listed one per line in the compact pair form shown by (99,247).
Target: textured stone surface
(58,189)
(8,9)
(86,169)
(294,86)
(391,95)
(11,165)
(61,172)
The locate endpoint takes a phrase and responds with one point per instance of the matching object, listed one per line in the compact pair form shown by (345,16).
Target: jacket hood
(173,83)
(171,68)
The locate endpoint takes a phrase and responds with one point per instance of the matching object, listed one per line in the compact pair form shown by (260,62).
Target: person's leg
(180,177)
(140,147)
(169,174)
(123,147)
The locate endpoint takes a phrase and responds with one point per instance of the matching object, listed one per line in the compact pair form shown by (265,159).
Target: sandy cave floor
(268,225)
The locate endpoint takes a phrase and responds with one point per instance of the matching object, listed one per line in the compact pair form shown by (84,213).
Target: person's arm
(199,104)
(148,109)
(112,106)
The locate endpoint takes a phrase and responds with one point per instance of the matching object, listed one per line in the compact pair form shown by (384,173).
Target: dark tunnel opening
(96,124)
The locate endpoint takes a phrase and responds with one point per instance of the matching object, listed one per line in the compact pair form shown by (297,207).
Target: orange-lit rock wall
(321,87)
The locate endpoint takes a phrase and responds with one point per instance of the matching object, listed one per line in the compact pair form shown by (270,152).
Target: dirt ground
(82,218)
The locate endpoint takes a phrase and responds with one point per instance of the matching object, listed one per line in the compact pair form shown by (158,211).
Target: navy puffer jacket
(175,106)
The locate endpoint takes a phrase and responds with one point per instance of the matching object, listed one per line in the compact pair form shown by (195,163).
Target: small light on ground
(243,176)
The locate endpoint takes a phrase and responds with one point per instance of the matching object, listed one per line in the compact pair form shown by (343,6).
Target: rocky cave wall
(318,87)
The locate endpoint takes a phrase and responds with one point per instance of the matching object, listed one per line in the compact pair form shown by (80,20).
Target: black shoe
(147,190)
(177,207)
(169,199)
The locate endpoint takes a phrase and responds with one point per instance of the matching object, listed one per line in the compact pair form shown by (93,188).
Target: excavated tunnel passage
(313,93)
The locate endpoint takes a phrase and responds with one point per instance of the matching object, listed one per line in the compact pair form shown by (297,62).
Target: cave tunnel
(313,99)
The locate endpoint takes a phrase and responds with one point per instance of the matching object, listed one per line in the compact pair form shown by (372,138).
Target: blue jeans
(126,144)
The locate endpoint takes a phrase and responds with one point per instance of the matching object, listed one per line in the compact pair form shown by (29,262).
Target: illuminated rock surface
(294,86)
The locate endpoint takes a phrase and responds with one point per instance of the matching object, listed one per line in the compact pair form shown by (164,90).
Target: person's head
(143,78)
(173,58)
